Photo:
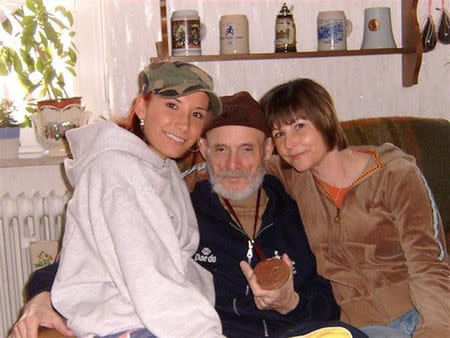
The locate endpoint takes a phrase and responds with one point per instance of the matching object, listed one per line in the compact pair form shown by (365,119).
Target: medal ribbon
(257,247)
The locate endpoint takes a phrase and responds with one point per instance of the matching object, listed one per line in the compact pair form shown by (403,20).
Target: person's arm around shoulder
(39,312)
(276,167)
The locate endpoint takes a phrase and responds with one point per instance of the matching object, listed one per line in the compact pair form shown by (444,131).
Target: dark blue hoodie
(223,245)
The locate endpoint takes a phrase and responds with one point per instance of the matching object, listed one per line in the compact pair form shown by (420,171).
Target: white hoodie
(129,237)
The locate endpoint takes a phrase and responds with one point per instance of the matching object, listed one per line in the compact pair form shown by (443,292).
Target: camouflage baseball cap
(175,79)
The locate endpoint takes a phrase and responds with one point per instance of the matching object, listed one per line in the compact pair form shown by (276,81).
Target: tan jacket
(384,250)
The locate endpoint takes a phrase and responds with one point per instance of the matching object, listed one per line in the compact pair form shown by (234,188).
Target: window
(40,37)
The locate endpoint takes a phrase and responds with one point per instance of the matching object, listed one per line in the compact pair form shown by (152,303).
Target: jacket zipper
(249,260)
(264,229)
(250,251)
(243,232)
(250,246)
(337,218)
(266,330)
(355,266)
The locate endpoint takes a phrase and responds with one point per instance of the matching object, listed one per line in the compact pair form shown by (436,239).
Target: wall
(361,86)
(116,38)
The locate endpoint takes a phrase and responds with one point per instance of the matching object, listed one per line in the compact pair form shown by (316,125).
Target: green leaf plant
(45,54)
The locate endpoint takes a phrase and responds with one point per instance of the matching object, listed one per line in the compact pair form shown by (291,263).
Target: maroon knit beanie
(240,109)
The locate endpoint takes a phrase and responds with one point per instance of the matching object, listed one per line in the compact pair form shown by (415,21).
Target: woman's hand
(282,300)
(39,312)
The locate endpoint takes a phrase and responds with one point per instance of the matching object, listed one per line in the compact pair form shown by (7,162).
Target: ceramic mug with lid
(185,27)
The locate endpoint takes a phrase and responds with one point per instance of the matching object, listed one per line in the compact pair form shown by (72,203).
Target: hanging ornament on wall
(444,26)
(429,33)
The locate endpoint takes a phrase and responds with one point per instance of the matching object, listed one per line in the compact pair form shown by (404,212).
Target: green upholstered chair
(427,139)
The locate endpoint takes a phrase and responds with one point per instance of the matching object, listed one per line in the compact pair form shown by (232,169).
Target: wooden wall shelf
(411,51)
(260,56)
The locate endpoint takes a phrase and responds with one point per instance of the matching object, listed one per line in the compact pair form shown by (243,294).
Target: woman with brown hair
(369,215)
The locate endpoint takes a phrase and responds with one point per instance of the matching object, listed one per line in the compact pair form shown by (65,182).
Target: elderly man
(244,214)
(244,217)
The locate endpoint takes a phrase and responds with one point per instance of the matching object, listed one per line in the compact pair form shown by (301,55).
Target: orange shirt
(337,194)
(334,193)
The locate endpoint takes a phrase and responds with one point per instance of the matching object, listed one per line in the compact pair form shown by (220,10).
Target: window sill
(31,160)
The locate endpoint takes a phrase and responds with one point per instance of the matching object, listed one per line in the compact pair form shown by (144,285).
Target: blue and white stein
(332,30)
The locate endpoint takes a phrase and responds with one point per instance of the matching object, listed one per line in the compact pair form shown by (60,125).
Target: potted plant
(42,60)
(46,54)
(9,130)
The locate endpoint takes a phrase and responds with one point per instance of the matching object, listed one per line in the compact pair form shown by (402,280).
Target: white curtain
(115,39)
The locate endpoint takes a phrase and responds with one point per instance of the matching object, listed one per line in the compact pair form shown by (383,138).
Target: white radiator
(22,220)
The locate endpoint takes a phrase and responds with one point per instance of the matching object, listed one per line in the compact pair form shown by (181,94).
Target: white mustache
(233,174)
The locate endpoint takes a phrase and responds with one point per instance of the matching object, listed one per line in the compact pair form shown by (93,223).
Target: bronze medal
(272,273)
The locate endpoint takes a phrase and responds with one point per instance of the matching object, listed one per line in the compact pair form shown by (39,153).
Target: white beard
(235,195)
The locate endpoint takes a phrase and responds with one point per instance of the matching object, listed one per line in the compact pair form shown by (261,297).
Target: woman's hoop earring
(195,148)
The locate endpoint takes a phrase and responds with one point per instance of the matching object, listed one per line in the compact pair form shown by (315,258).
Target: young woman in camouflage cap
(126,265)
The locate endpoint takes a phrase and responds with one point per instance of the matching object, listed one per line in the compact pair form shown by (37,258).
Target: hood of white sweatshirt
(88,142)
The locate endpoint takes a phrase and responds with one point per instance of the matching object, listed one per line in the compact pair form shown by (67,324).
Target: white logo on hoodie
(205,256)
